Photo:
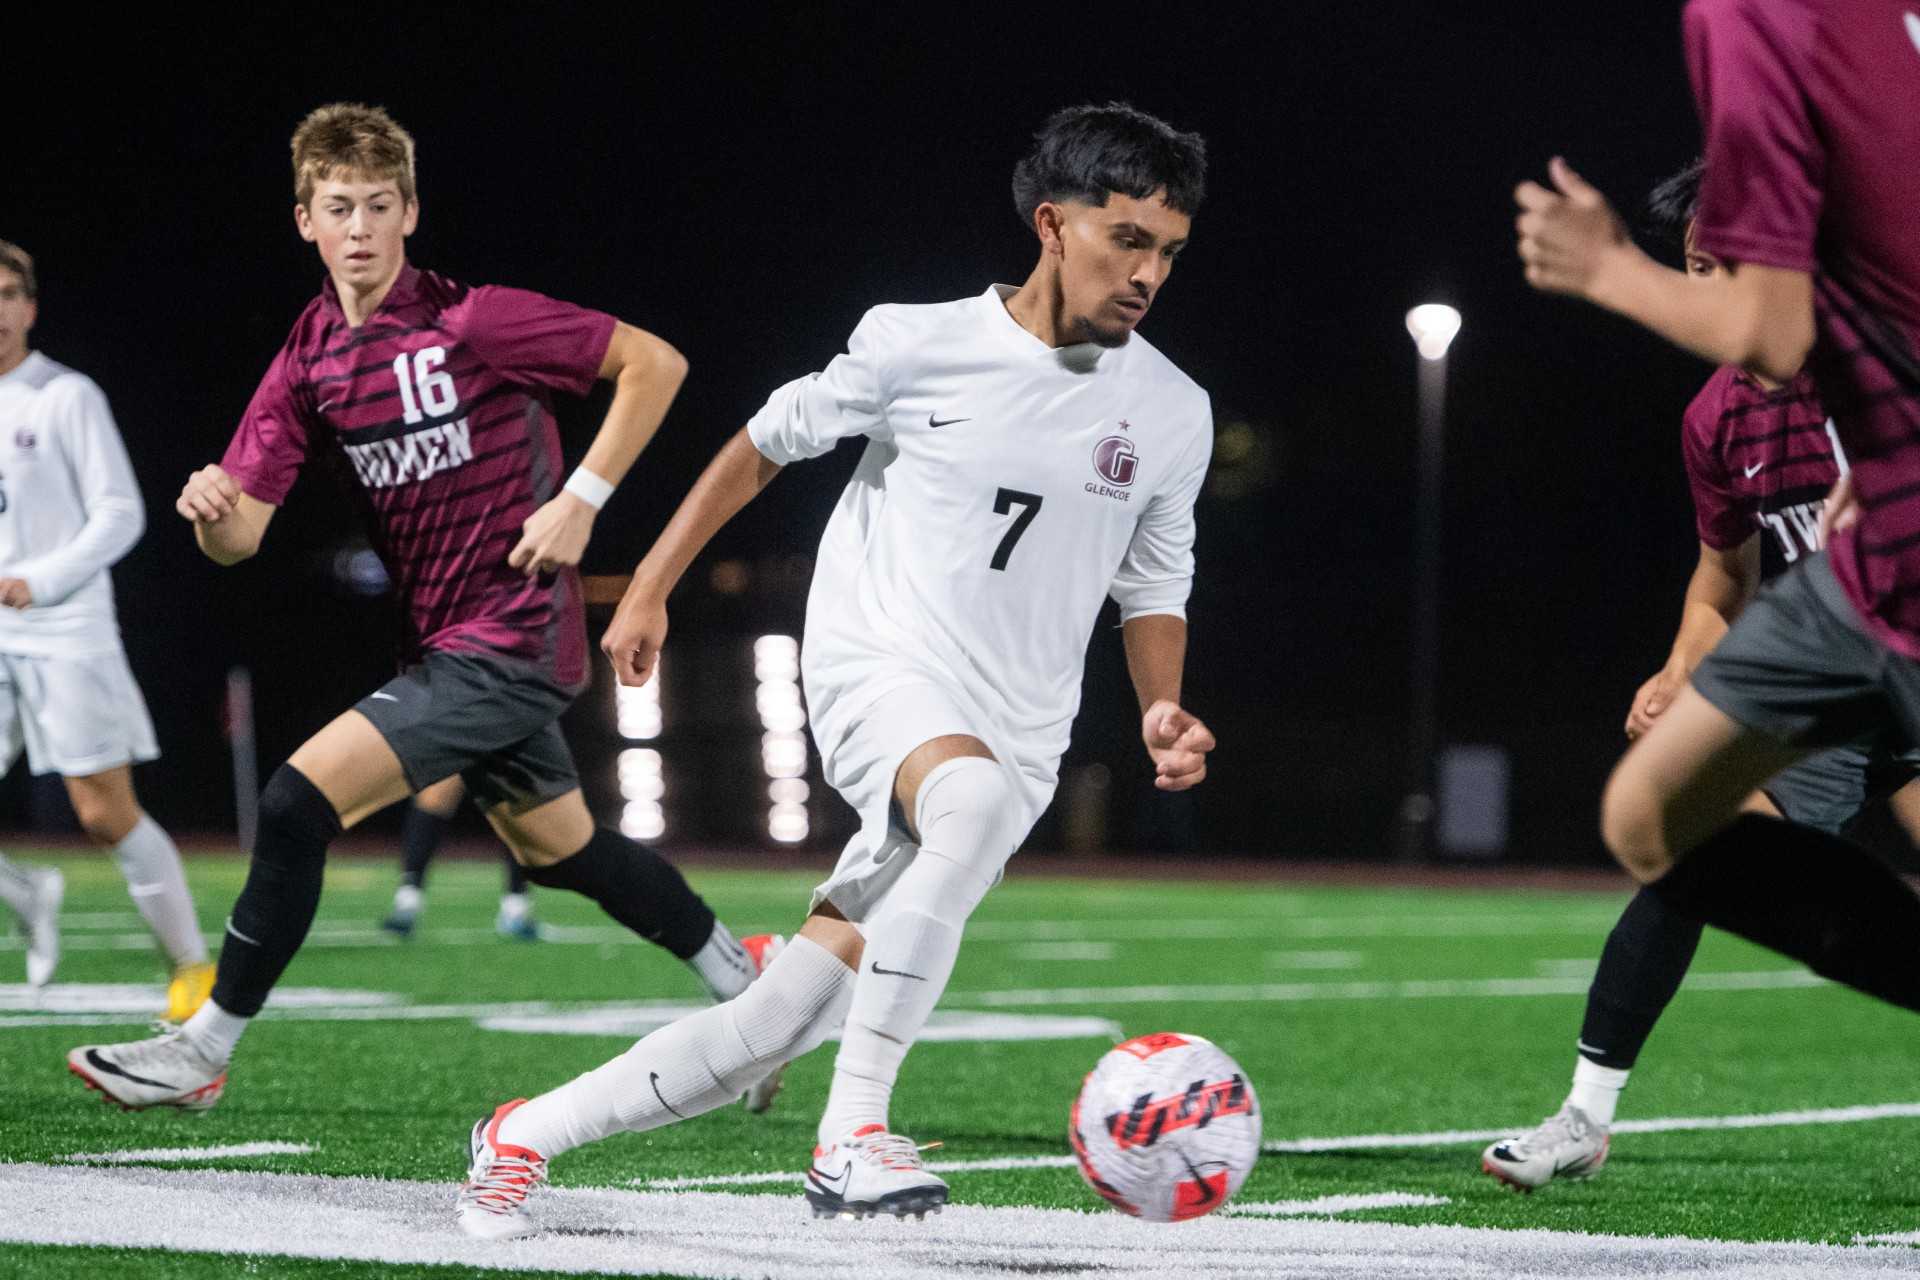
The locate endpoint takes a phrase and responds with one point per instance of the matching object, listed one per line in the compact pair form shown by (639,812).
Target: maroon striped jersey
(1811,110)
(440,406)
(1759,461)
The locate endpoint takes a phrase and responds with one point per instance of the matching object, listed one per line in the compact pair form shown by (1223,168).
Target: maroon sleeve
(1718,513)
(1766,165)
(532,340)
(273,442)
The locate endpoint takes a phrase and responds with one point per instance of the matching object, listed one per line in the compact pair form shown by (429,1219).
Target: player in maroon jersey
(1811,115)
(1760,460)
(438,395)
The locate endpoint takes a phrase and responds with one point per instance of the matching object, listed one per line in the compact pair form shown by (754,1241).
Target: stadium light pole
(1433,326)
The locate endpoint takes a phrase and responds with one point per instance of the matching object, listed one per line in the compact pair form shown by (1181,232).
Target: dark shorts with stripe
(494,721)
(1799,667)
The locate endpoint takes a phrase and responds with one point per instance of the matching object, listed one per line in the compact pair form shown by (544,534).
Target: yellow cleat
(191,986)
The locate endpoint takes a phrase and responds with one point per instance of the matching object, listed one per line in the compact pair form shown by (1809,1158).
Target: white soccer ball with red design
(1166,1127)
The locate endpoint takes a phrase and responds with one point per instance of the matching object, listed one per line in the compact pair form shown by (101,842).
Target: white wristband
(589,488)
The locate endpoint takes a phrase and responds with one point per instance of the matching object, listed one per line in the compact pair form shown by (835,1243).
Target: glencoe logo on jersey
(1116,462)
(24,439)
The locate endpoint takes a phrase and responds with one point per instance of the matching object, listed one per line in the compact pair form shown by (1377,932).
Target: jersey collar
(1076,357)
(406,288)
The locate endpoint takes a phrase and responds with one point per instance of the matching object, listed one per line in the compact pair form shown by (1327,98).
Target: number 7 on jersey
(1004,501)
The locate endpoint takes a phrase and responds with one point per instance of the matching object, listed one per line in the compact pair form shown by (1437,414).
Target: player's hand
(1178,744)
(633,639)
(1654,697)
(15,594)
(1568,233)
(555,536)
(1841,511)
(209,496)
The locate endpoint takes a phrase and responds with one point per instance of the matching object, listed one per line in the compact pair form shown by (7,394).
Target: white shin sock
(158,885)
(1596,1089)
(16,887)
(703,1061)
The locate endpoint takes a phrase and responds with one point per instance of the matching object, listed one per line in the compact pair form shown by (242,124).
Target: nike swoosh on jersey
(1753,470)
(385,697)
(944,422)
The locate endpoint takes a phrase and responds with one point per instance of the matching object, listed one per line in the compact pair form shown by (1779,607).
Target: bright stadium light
(1433,326)
(643,783)
(783,746)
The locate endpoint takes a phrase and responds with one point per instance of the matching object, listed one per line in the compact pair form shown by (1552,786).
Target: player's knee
(969,811)
(1633,825)
(295,818)
(105,819)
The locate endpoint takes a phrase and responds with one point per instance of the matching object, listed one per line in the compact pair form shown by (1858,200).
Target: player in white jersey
(1026,457)
(69,508)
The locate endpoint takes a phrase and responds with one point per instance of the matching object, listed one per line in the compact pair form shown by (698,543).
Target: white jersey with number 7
(1006,490)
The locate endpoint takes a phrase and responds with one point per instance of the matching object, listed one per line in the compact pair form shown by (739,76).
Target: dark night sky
(747,183)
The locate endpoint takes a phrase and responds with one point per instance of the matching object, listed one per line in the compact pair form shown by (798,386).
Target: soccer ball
(1166,1127)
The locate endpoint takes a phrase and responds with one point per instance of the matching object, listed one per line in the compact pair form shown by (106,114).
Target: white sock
(158,885)
(514,906)
(214,1032)
(410,898)
(913,938)
(16,887)
(723,964)
(1596,1089)
(703,1061)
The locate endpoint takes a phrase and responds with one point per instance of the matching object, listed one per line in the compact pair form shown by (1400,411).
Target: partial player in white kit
(1026,457)
(69,508)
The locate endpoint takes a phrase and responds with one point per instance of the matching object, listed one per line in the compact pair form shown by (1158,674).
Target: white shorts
(862,766)
(76,715)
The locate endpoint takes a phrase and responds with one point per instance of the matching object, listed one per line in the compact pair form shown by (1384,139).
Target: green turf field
(1355,1012)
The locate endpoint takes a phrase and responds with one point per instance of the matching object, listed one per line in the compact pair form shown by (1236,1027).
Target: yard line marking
(943,1025)
(734,1237)
(1890,1237)
(172,1155)
(1336,1204)
(1670,1124)
(1045,951)
(144,1000)
(1409,989)
(1371,1141)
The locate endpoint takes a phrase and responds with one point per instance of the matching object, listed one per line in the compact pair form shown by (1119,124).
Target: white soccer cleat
(871,1171)
(1567,1144)
(42,923)
(165,1071)
(763,947)
(493,1203)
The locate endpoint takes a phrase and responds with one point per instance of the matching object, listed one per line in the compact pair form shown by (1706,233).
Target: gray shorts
(493,721)
(1798,667)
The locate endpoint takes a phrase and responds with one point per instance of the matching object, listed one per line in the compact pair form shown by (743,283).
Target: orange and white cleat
(166,1071)
(1567,1144)
(493,1203)
(870,1172)
(763,947)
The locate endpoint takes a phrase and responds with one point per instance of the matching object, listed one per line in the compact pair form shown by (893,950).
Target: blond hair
(17,260)
(351,139)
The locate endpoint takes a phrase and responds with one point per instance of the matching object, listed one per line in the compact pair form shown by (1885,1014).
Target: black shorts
(493,721)
(1799,667)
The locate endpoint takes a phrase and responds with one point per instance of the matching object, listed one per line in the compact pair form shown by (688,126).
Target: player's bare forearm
(734,478)
(646,373)
(1156,656)
(228,523)
(1759,318)
(1722,584)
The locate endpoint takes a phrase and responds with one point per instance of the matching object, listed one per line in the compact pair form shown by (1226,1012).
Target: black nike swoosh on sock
(896,973)
(653,1078)
(99,1063)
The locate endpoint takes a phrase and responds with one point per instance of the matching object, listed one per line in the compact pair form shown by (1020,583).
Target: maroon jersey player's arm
(1724,580)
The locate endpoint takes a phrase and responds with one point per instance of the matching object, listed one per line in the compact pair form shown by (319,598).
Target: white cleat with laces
(1567,1144)
(493,1203)
(871,1171)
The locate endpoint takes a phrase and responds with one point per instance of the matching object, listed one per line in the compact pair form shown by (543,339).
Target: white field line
(731,1237)
(146,999)
(330,934)
(1372,1141)
(175,1155)
(1336,1204)
(1890,1237)
(1409,989)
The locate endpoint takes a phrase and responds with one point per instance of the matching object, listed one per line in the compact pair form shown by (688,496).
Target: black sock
(516,876)
(275,908)
(637,887)
(1640,968)
(1824,901)
(420,838)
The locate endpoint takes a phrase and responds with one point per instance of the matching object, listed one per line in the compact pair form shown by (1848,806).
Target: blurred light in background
(783,744)
(643,784)
(1433,326)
